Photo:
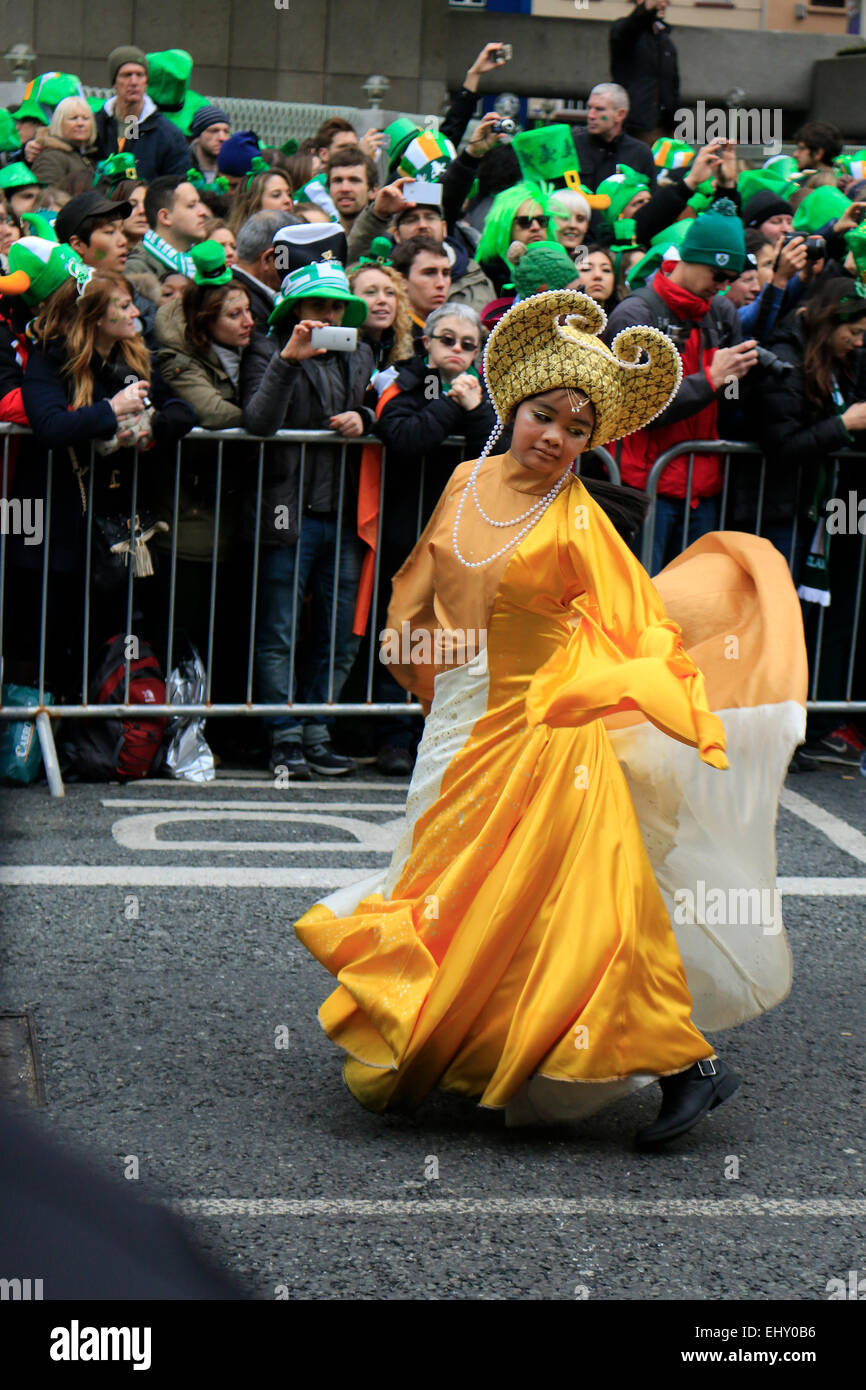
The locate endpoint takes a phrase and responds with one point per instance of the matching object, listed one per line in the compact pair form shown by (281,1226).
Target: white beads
(534,513)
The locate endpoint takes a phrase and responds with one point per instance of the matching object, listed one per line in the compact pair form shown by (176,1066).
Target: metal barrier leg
(49,755)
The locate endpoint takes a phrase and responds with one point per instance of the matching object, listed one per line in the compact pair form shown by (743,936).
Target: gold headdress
(550,341)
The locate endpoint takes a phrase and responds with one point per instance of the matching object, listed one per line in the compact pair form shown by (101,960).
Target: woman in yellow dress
(568,808)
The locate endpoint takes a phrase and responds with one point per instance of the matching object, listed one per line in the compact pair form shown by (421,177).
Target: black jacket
(159,149)
(598,158)
(276,394)
(643,59)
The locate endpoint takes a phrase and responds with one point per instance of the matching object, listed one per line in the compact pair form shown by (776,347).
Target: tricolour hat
(37,268)
(822,205)
(672,154)
(209,259)
(50,88)
(17,175)
(551,341)
(426,156)
(620,188)
(30,110)
(306,242)
(321,280)
(716,238)
(853,164)
(238,153)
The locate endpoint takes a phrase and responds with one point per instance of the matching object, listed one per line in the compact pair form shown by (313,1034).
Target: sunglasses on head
(524,223)
(725,277)
(449,340)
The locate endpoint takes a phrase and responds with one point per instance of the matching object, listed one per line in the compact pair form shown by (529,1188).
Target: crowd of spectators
(161,271)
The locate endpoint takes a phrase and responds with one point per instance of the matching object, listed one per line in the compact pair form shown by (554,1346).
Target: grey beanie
(205,116)
(127,53)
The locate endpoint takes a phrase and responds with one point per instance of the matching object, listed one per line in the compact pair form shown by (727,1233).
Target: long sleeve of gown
(625,653)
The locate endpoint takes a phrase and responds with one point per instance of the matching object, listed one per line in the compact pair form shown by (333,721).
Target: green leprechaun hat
(17,175)
(399,133)
(168,74)
(209,259)
(822,205)
(115,169)
(620,188)
(753,181)
(30,110)
(38,267)
(319,280)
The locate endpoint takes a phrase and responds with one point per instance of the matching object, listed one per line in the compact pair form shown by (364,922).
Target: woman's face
(120,319)
(135,225)
(377,289)
(452,347)
(765,256)
(549,432)
(76,126)
(596,277)
(235,323)
(276,195)
(8,231)
(847,337)
(226,238)
(571,228)
(536,228)
(172,287)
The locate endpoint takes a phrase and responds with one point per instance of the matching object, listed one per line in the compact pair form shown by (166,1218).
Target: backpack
(103,750)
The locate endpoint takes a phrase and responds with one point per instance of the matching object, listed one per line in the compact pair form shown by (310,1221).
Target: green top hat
(399,133)
(319,280)
(49,88)
(17,175)
(546,154)
(620,188)
(168,74)
(209,259)
(823,204)
(753,181)
(379,252)
(37,268)
(115,169)
(30,110)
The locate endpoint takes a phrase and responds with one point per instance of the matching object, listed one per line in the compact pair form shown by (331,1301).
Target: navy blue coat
(160,148)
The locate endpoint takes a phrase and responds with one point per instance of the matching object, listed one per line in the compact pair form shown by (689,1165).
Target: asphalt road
(159,961)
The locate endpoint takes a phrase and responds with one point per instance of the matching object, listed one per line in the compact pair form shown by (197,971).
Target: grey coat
(301,396)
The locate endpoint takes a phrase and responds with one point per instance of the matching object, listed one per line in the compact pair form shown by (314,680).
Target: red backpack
(103,750)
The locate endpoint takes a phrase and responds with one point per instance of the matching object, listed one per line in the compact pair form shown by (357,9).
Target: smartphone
(419,191)
(335,339)
(506,53)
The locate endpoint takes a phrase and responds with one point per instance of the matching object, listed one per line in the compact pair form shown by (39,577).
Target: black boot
(686,1098)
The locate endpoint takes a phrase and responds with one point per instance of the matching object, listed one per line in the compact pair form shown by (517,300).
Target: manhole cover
(20,1069)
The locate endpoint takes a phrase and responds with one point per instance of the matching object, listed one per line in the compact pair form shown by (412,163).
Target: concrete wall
(322,50)
(839,94)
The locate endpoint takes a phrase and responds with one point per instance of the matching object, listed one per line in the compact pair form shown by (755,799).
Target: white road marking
(336,784)
(821,887)
(842,834)
(153,803)
(821,1207)
(138,833)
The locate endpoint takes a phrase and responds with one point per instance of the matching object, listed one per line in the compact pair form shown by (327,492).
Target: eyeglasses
(524,223)
(466,344)
(725,277)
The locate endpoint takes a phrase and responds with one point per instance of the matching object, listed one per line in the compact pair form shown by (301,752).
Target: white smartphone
(335,339)
(419,191)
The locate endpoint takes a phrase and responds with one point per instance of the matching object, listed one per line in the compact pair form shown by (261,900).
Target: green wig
(496,237)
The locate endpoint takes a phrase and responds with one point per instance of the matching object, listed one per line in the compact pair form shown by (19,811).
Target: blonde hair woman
(68,146)
(388,326)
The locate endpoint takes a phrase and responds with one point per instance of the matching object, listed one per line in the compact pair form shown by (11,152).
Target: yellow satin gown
(520,934)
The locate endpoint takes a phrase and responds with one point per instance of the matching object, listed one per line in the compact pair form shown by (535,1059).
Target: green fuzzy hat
(753,181)
(621,187)
(674,236)
(545,265)
(703,197)
(9,140)
(209,259)
(50,88)
(37,268)
(30,110)
(496,237)
(17,175)
(168,74)
(318,280)
(823,204)
(716,238)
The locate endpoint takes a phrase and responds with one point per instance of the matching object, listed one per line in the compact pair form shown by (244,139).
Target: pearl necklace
(535,512)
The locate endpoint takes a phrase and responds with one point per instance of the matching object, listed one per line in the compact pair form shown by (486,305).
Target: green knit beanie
(822,205)
(621,187)
(716,238)
(543,265)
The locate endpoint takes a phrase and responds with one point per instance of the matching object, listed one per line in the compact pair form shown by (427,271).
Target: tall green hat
(400,133)
(209,259)
(319,280)
(672,236)
(824,204)
(856,242)
(620,188)
(426,156)
(9,140)
(672,154)
(853,164)
(753,181)
(37,268)
(50,88)
(168,74)
(547,154)
(17,175)
(30,110)
(716,238)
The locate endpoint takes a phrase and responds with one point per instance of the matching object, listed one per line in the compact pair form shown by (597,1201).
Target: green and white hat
(853,164)
(319,280)
(620,188)
(50,88)
(38,267)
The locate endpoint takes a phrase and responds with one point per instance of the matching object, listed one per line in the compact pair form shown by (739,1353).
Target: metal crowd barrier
(731,449)
(43,713)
